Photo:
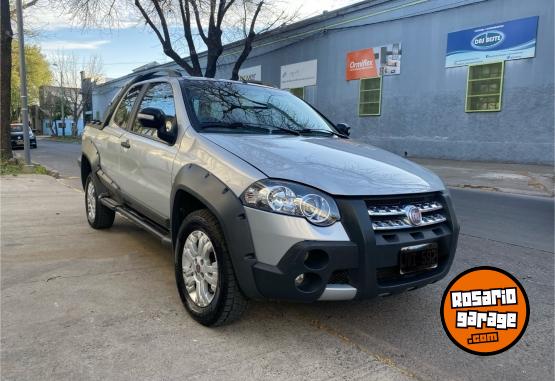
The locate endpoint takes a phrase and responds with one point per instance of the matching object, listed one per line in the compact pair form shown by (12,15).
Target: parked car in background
(16,136)
(262,197)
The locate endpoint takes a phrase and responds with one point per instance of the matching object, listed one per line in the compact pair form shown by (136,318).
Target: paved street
(79,303)
(57,156)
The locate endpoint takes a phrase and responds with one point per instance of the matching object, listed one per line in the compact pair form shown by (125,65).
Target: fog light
(299,280)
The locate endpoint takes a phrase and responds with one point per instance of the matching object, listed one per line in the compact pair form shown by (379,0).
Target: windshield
(242,108)
(16,128)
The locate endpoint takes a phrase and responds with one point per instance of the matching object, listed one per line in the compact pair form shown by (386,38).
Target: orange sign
(485,310)
(361,64)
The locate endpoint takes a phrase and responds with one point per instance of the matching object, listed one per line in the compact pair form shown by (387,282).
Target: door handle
(125,144)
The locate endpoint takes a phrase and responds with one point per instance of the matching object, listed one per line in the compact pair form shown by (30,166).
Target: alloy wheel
(200,268)
(91,201)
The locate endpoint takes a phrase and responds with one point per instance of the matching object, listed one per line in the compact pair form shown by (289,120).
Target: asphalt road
(59,156)
(402,332)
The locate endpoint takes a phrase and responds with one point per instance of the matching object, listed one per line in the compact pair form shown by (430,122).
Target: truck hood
(336,166)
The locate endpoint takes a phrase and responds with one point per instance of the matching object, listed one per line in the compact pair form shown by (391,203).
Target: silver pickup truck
(261,197)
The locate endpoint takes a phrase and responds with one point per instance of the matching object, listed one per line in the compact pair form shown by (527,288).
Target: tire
(223,303)
(98,215)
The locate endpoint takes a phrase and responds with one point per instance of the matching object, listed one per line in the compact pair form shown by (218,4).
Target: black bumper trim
(370,260)
(278,282)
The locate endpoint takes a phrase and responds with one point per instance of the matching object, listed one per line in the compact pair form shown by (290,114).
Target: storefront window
(298,92)
(484,87)
(370,96)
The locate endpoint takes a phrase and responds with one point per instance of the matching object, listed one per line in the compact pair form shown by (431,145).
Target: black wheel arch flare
(195,185)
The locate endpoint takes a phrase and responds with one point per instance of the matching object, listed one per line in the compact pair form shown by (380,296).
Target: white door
(146,165)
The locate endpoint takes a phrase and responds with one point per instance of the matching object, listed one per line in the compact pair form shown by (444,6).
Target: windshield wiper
(330,132)
(220,125)
(288,130)
(231,126)
(241,125)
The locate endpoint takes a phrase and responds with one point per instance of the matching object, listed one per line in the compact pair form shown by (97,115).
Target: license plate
(418,258)
(20,142)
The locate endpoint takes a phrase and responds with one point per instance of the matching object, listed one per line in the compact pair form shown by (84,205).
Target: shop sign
(373,62)
(509,40)
(253,73)
(361,64)
(299,74)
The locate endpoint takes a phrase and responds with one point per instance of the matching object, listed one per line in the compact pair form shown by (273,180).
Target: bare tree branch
(69,78)
(247,47)
(222,11)
(198,23)
(166,39)
(29,3)
(198,20)
(186,17)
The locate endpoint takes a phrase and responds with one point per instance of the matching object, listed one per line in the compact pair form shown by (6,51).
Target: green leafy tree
(38,74)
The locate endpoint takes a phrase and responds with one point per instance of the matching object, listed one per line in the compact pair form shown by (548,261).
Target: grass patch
(10,167)
(15,167)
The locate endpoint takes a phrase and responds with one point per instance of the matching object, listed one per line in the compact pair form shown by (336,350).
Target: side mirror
(168,132)
(165,126)
(343,129)
(151,117)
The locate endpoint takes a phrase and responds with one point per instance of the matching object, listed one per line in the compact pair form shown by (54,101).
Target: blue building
(455,79)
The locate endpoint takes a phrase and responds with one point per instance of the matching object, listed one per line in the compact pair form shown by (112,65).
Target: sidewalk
(525,179)
(84,304)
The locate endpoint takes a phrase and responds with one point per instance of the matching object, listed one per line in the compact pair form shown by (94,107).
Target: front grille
(397,209)
(390,214)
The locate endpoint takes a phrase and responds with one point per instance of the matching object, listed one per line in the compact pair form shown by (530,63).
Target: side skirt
(143,222)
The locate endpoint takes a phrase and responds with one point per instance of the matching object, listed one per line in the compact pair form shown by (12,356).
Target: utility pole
(23,80)
(62,94)
(63,101)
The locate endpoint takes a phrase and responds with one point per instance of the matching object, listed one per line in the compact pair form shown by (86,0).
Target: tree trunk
(5,79)
(74,128)
(243,56)
(215,50)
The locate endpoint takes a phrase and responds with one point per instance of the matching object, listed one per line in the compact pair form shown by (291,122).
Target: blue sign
(510,40)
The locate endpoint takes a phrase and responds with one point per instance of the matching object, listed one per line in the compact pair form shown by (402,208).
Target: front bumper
(364,267)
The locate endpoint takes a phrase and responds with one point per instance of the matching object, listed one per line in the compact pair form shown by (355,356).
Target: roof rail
(256,82)
(148,74)
(153,73)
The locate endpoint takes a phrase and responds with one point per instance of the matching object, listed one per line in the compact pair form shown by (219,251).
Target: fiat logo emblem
(413,214)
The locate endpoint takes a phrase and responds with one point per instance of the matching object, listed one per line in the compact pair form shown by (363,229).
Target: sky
(120,49)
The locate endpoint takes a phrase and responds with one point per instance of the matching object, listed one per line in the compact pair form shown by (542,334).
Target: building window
(370,96)
(298,92)
(484,87)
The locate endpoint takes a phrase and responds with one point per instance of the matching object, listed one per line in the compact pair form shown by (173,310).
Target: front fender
(229,211)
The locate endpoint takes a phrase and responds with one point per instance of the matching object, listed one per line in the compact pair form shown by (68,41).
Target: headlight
(292,199)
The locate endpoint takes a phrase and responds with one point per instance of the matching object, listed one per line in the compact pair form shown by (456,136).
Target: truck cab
(260,196)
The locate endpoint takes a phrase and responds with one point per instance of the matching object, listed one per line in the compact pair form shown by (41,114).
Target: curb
(49,171)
